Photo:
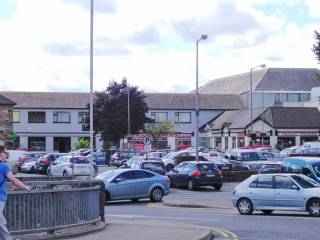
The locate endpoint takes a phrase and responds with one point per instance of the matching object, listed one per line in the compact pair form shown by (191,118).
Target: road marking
(227,232)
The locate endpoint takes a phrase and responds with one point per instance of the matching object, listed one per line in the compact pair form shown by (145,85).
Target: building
(279,127)
(270,86)
(49,121)
(6,121)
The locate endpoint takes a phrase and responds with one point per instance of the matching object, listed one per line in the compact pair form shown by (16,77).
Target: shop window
(234,142)
(36,143)
(293,97)
(205,142)
(304,97)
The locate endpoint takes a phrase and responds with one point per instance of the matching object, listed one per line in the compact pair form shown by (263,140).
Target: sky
(44,44)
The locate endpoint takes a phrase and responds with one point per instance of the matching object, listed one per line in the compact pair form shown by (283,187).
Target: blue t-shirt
(4,170)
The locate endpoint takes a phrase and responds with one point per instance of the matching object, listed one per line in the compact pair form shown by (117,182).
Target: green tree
(111,111)
(316,46)
(82,143)
(157,130)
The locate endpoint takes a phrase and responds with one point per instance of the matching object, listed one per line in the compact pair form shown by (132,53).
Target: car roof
(279,174)
(195,162)
(305,158)
(243,150)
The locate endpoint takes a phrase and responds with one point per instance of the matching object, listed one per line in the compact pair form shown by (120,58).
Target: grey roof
(276,117)
(48,100)
(269,79)
(187,101)
(6,101)
(293,117)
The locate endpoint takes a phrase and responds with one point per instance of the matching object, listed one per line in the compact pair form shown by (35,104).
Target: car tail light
(196,173)
(70,165)
(219,172)
(45,160)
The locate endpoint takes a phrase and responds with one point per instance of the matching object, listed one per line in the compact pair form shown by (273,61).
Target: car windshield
(170,155)
(154,166)
(79,160)
(250,156)
(316,167)
(304,182)
(207,167)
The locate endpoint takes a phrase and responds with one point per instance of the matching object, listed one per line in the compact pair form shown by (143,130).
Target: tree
(82,143)
(156,130)
(316,46)
(111,111)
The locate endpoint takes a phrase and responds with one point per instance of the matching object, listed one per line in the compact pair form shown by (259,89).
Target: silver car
(134,184)
(280,191)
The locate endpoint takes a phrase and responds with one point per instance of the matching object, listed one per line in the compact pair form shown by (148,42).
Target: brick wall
(6,124)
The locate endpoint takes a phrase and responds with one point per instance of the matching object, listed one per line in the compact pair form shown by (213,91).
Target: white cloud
(46,43)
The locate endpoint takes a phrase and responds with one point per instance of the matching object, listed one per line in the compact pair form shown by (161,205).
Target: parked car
(27,157)
(271,167)
(29,166)
(287,151)
(119,158)
(154,165)
(309,166)
(13,156)
(245,159)
(269,192)
(154,154)
(193,174)
(311,151)
(43,162)
(134,184)
(71,166)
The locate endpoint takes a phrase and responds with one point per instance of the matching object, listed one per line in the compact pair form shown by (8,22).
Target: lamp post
(251,102)
(203,37)
(91,78)
(129,127)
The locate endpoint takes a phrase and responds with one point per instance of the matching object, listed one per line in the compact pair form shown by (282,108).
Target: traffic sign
(146,141)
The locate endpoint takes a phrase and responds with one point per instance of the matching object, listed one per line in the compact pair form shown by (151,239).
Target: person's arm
(17,182)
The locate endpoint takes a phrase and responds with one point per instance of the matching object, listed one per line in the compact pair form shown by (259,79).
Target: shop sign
(293,134)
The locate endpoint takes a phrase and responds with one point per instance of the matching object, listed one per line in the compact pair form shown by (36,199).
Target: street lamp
(251,103)
(129,127)
(91,78)
(203,37)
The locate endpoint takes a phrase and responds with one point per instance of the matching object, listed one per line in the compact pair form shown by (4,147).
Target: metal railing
(53,205)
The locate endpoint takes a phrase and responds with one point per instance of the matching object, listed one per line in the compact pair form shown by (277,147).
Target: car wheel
(217,187)
(267,212)
(169,167)
(244,206)
(190,185)
(314,207)
(156,194)
(65,174)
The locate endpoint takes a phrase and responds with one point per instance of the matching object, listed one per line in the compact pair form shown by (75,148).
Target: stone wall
(6,124)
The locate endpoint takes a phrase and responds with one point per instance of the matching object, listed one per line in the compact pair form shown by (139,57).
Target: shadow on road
(128,202)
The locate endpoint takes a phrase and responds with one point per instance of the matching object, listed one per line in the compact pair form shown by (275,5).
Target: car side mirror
(295,187)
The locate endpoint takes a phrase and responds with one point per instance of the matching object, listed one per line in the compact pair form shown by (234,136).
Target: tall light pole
(203,37)
(251,101)
(91,78)
(129,127)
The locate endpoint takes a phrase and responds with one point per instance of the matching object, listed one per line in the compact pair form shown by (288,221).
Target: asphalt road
(226,223)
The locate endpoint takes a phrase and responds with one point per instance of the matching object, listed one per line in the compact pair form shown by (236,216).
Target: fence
(54,205)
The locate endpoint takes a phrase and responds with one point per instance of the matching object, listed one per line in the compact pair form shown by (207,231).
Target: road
(226,223)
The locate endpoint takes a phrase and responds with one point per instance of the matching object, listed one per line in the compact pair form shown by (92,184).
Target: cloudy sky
(44,44)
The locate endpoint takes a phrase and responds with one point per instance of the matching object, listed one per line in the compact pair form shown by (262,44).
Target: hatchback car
(269,192)
(43,162)
(151,165)
(134,184)
(119,158)
(71,166)
(192,174)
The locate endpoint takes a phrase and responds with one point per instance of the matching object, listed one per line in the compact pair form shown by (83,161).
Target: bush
(82,143)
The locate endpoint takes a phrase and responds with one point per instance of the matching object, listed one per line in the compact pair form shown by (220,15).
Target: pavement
(204,197)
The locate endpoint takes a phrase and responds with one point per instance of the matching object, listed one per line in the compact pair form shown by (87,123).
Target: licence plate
(210,175)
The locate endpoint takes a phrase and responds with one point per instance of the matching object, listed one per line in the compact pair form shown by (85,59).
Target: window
(83,117)
(157,167)
(159,116)
(304,182)
(36,143)
(304,97)
(293,97)
(16,116)
(140,175)
(264,182)
(182,117)
(281,97)
(36,117)
(283,182)
(61,117)
(125,176)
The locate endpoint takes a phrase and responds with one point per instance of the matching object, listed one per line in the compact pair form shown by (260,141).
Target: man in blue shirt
(5,173)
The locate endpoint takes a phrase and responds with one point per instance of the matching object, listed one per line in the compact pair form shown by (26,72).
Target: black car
(43,162)
(192,174)
(151,165)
